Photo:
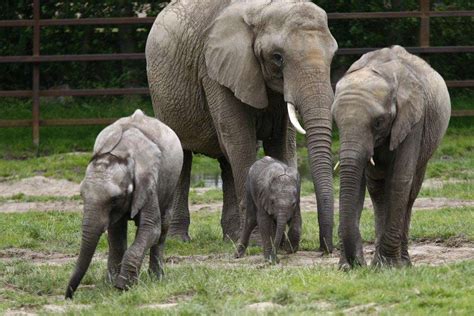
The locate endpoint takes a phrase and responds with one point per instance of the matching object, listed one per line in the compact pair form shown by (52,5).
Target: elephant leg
(267,232)
(156,267)
(249,226)
(230,220)
(294,233)
(398,188)
(117,238)
(235,124)
(376,188)
(179,225)
(343,262)
(416,187)
(148,232)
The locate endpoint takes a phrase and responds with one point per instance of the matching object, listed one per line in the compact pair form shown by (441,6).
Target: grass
(60,232)
(206,289)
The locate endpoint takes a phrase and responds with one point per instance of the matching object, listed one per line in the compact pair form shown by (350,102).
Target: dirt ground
(42,186)
(425,253)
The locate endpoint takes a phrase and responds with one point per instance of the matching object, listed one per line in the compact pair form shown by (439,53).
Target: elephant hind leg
(179,224)
(230,220)
(415,189)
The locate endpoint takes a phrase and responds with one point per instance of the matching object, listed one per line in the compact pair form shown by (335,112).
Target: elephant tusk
(372,162)
(336,167)
(294,119)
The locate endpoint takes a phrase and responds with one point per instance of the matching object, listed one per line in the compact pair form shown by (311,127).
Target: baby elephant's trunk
(90,239)
(280,230)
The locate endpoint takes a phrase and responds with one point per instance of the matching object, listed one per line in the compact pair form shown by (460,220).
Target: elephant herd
(225,74)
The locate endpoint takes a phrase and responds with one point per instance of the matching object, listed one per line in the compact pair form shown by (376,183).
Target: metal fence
(424,14)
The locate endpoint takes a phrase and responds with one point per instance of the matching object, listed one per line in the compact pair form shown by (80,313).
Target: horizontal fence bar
(145,91)
(461,113)
(150,20)
(62,58)
(107,121)
(141,56)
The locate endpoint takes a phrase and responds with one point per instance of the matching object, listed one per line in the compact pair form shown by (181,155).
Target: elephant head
(284,46)
(377,103)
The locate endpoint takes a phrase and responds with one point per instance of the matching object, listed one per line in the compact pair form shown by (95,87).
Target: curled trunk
(90,239)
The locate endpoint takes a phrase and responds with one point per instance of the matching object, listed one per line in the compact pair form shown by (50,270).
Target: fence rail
(424,14)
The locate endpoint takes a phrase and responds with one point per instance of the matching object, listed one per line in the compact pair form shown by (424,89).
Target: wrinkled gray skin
(220,74)
(273,201)
(394,107)
(133,174)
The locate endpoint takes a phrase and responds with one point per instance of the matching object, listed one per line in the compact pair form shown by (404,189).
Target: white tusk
(294,119)
(337,166)
(372,161)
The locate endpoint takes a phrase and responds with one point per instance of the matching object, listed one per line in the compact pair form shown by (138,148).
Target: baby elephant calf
(132,175)
(272,201)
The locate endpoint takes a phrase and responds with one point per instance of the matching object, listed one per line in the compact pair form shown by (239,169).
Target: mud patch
(39,185)
(35,257)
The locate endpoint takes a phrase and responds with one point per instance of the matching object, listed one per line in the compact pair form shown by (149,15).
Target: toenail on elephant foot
(183,236)
(239,253)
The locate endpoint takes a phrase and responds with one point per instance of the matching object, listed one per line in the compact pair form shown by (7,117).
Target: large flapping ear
(410,106)
(145,175)
(108,139)
(230,58)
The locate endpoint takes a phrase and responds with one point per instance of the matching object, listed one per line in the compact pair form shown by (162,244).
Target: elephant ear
(108,139)
(409,107)
(230,58)
(145,167)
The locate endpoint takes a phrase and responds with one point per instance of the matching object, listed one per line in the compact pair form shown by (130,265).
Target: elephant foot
(240,252)
(346,265)
(124,283)
(180,235)
(112,275)
(157,273)
(405,259)
(381,260)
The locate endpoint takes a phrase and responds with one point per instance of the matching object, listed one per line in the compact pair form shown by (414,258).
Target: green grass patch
(41,198)
(61,232)
(227,291)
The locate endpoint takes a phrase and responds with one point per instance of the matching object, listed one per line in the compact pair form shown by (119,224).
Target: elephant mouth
(294,119)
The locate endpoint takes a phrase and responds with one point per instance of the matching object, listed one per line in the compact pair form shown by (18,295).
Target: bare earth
(425,253)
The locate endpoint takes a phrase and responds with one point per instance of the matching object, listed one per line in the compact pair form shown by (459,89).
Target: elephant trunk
(280,230)
(91,233)
(353,161)
(312,94)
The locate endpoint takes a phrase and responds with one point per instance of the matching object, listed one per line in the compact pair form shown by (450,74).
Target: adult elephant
(226,73)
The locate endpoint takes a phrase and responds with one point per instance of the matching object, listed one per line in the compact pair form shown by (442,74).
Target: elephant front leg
(117,239)
(294,234)
(179,225)
(267,231)
(230,220)
(249,226)
(147,235)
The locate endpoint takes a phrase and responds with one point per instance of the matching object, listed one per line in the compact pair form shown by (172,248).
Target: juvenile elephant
(273,201)
(392,110)
(224,74)
(132,175)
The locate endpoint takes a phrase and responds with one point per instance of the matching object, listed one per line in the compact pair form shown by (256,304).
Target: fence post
(425,23)
(36,73)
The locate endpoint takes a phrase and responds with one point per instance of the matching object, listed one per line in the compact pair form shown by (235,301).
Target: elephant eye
(277,59)
(378,123)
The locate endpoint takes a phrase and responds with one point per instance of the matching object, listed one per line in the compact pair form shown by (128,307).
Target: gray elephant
(272,201)
(132,175)
(224,74)
(392,110)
